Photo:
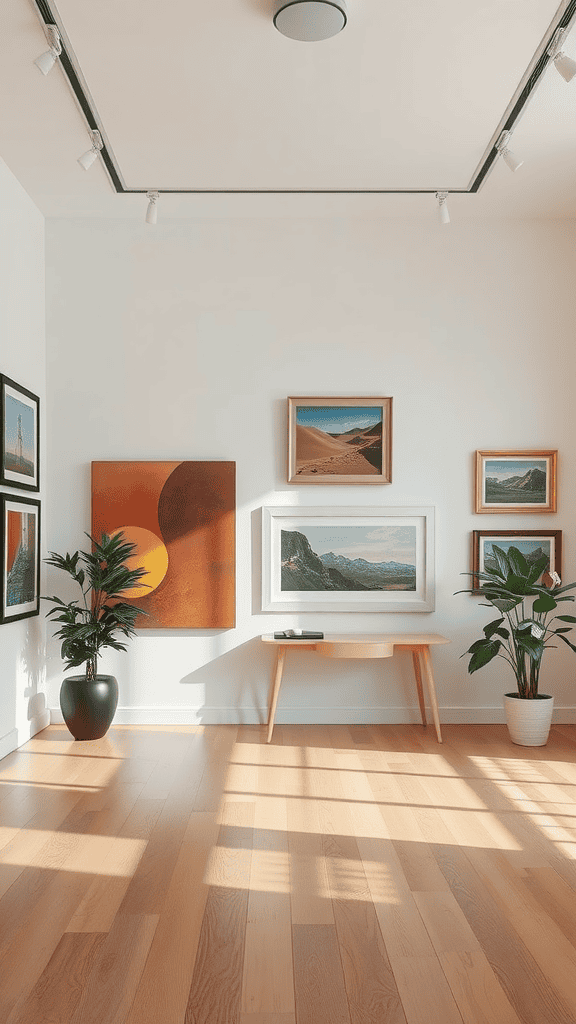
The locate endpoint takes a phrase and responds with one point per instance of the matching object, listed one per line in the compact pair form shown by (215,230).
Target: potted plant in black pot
(521,634)
(89,701)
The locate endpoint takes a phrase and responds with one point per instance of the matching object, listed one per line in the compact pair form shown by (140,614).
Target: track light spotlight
(443,211)
(564,65)
(152,211)
(45,62)
(509,158)
(88,158)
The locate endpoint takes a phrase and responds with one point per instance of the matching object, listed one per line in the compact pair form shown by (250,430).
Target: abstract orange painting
(181,516)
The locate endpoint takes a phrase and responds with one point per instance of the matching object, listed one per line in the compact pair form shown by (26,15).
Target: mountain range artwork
(515,482)
(320,558)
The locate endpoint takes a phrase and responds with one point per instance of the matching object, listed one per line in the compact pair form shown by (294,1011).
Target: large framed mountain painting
(181,516)
(339,440)
(516,481)
(348,559)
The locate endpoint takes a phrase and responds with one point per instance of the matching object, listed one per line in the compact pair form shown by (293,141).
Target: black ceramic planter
(88,706)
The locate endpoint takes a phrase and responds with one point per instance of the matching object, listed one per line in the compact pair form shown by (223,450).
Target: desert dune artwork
(337,441)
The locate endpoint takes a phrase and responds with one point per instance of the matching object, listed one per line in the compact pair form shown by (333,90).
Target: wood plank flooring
(338,875)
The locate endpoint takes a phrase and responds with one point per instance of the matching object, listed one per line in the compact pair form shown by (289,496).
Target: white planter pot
(528,720)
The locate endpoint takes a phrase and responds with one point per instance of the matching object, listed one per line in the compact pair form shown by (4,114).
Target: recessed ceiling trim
(512,115)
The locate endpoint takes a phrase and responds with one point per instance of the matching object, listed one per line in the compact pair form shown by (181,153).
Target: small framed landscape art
(516,481)
(340,440)
(531,543)
(20,436)
(348,559)
(20,554)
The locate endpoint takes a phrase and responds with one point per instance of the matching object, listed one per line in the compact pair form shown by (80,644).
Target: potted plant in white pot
(89,701)
(521,634)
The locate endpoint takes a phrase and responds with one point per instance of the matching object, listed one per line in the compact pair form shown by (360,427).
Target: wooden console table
(364,645)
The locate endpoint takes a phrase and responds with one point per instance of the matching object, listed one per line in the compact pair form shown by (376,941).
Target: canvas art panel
(339,440)
(516,481)
(347,559)
(20,436)
(181,516)
(20,554)
(531,543)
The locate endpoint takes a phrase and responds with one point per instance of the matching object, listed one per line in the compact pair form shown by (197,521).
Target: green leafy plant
(93,622)
(522,632)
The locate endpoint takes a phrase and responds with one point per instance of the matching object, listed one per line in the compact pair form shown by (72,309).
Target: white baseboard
(311,716)
(8,743)
(16,737)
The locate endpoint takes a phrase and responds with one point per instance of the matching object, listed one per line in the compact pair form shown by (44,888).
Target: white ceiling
(191,95)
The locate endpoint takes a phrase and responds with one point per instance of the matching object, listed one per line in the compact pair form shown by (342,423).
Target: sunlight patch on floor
(92,855)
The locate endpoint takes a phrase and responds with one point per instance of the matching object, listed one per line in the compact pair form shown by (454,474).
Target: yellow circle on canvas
(150,554)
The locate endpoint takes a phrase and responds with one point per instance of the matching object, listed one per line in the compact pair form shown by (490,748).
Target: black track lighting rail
(491,156)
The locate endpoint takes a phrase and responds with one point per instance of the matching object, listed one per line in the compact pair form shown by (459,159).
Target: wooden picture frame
(339,440)
(19,436)
(348,559)
(516,481)
(19,557)
(527,541)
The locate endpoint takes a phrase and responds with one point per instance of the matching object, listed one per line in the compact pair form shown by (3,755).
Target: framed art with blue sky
(20,436)
(516,481)
(348,559)
(340,440)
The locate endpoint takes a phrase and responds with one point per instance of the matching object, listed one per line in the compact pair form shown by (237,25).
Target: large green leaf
(537,568)
(518,563)
(544,603)
(501,560)
(492,627)
(566,618)
(534,648)
(483,651)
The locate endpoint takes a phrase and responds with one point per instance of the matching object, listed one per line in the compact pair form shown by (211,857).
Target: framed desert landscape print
(20,436)
(340,440)
(20,555)
(516,481)
(348,559)
(531,543)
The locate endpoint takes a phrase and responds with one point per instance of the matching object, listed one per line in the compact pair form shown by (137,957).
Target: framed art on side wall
(20,554)
(20,436)
(340,440)
(531,543)
(348,559)
(516,481)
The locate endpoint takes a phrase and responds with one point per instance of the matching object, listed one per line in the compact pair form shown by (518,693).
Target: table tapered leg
(431,689)
(418,678)
(277,679)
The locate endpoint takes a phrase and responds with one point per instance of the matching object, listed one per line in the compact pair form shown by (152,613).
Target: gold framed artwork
(516,481)
(340,440)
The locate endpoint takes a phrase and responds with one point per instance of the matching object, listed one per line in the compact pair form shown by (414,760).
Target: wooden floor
(339,875)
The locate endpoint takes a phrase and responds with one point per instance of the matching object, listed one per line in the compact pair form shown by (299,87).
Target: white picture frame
(397,575)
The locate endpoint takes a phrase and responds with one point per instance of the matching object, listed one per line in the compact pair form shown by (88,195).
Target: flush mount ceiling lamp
(310,20)
(564,64)
(45,62)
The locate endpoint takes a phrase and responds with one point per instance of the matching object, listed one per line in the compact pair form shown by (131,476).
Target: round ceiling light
(310,20)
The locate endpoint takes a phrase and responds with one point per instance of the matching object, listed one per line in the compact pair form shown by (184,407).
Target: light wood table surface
(363,645)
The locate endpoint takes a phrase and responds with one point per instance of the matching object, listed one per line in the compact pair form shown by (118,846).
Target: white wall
(183,341)
(22,357)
